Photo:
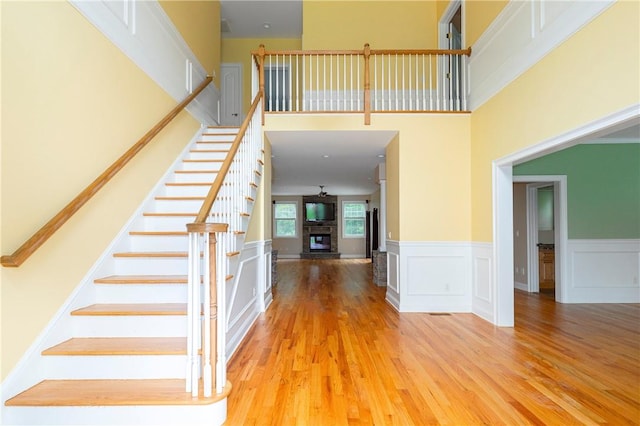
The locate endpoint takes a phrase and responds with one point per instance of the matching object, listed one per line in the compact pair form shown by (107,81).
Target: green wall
(603,188)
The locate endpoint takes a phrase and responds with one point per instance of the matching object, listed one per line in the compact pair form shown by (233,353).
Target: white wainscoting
(144,32)
(482,281)
(523,33)
(431,276)
(243,303)
(393,274)
(603,271)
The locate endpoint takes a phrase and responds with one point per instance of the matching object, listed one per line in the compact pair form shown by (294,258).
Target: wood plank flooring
(331,351)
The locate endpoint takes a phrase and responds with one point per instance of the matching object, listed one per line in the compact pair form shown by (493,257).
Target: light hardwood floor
(331,351)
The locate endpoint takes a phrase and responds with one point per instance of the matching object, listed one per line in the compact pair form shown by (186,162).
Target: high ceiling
(344,162)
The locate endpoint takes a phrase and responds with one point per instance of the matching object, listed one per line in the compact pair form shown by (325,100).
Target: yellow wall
(563,91)
(238,50)
(383,24)
(427,170)
(479,15)
(199,25)
(72,103)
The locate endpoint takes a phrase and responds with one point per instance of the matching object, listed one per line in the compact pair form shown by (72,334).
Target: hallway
(331,351)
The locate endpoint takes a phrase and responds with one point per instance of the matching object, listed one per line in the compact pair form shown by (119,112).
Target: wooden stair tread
(120,346)
(142,279)
(129,309)
(112,393)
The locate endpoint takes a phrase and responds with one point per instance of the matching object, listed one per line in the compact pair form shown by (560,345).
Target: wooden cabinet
(546,269)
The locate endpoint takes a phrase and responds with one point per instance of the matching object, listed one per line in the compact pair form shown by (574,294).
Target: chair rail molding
(145,34)
(522,34)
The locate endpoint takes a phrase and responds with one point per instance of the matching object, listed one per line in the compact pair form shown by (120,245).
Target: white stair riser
(199,155)
(201,165)
(115,366)
(214,143)
(141,293)
(194,177)
(166,223)
(172,206)
(186,191)
(130,326)
(150,266)
(151,415)
(218,136)
(159,243)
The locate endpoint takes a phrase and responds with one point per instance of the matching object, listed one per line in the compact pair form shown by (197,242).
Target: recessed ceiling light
(325,156)
(266,25)
(380,155)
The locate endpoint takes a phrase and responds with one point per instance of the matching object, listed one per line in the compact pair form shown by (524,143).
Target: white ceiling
(343,161)
(247,18)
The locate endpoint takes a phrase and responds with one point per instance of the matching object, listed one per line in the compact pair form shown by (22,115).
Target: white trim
(520,36)
(443,24)
(148,37)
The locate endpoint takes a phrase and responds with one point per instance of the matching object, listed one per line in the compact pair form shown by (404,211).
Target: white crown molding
(522,34)
(146,35)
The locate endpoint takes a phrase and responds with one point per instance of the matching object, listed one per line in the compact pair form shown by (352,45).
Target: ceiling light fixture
(266,25)
(322,193)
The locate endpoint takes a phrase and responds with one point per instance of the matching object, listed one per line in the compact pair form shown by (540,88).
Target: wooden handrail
(466,52)
(44,233)
(217,183)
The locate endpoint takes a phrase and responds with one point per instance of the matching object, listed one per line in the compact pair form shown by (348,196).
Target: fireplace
(320,242)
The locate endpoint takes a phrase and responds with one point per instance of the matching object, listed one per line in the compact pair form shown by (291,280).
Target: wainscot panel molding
(144,32)
(243,304)
(523,33)
(483,284)
(603,271)
(434,276)
(393,274)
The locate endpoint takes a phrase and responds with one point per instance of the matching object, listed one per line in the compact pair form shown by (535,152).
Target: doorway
(231,97)
(539,205)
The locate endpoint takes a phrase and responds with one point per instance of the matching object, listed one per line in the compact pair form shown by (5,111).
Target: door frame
(443,24)
(502,201)
(560,232)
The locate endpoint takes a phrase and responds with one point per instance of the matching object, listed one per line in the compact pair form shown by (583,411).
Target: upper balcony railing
(365,81)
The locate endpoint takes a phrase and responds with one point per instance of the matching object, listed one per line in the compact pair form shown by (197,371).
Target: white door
(231,84)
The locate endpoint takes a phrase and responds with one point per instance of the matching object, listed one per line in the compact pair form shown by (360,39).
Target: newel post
(367,85)
(261,55)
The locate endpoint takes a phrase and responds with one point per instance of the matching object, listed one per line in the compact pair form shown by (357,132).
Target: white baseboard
(520,286)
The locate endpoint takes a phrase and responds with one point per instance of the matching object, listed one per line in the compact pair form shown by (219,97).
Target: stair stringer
(28,370)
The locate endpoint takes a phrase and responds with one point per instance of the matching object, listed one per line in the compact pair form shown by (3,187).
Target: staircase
(119,357)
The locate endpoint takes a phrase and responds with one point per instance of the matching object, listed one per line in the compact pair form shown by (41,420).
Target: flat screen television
(319,212)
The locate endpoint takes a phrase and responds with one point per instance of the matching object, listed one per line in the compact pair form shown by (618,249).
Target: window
(284,219)
(353,219)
